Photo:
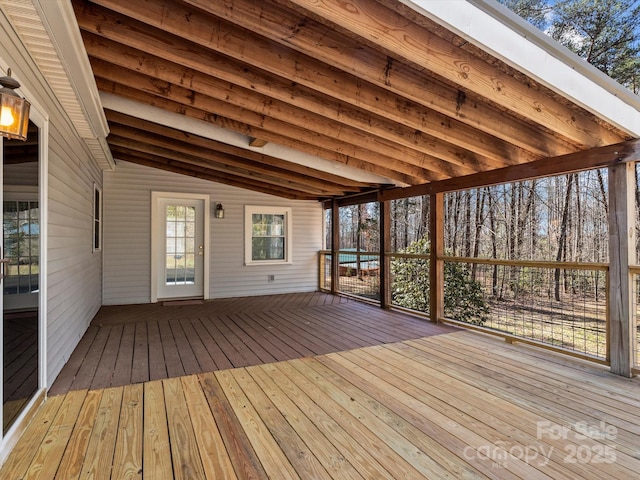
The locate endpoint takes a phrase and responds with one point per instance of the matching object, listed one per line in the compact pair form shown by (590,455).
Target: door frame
(10,438)
(155,244)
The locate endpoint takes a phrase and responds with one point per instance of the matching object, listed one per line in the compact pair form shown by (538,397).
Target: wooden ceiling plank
(185,169)
(269,111)
(116,118)
(338,53)
(248,130)
(123,137)
(413,130)
(190,98)
(596,157)
(388,29)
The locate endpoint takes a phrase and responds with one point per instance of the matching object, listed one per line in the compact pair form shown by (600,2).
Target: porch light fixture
(219,211)
(14,110)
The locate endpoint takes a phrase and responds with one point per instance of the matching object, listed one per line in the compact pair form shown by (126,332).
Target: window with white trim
(267,235)
(97,218)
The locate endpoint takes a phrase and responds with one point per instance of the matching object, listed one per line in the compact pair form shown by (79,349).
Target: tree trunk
(480,196)
(494,240)
(563,234)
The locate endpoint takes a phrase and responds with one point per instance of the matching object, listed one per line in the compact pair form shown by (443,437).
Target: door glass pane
(180,245)
(20,286)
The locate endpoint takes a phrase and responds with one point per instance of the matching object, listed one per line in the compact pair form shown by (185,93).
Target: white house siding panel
(75,271)
(127,237)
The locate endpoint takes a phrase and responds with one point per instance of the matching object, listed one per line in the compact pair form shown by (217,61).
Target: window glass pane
(266,248)
(179,229)
(171,229)
(277,225)
(21,242)
(269,235)
(190,246)
(96,204)
(170,269)
(260,225)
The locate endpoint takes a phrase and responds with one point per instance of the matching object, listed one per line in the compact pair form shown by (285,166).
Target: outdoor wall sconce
(14,110)
(219,211)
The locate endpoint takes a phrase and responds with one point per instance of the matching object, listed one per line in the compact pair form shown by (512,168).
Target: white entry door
(179,246)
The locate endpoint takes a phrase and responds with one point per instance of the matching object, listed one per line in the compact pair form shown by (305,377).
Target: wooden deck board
(459,405)
(76,448)
(127,458)
(140,359)
(216,462)
(156,461)
(98,461)
(138,343)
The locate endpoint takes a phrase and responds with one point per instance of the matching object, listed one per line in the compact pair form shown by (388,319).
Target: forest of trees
(604,32)
(561,218)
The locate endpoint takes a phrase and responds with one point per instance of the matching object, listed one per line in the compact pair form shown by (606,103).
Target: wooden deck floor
(457,405)
(137,343)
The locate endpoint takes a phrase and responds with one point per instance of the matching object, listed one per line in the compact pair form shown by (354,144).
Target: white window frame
(249,211)
(97,219)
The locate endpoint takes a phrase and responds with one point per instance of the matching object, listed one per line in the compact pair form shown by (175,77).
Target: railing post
(621,255)
(385,247)
(335,247)
(436,250)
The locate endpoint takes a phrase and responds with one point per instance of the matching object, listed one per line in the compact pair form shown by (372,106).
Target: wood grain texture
(460,405)
(376,86)
(157,342)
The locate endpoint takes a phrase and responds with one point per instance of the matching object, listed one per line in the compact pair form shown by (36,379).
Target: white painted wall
(127,237)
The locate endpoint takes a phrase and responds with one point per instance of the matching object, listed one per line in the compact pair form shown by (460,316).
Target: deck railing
(561,306)
(358,273)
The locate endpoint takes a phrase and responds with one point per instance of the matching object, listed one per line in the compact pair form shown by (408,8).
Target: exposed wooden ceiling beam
(220,97)
(409,125)
(174,135)
(217,167)
(190,98)
(338,51)
(223,162)
(248,130)
(596,157)
(365,84)
(394,33)
(194,171)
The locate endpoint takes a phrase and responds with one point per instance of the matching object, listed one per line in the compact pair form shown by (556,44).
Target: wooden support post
(385,247)
(335,246)
(436,266)
(622,246)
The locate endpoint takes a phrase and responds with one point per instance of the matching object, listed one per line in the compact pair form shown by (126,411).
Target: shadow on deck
(137,343)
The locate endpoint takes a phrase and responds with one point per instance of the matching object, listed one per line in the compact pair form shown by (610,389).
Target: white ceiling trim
(213,132)
(502,33)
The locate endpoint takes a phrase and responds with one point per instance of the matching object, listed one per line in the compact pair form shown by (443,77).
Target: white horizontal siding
(74,270)
(127,237)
